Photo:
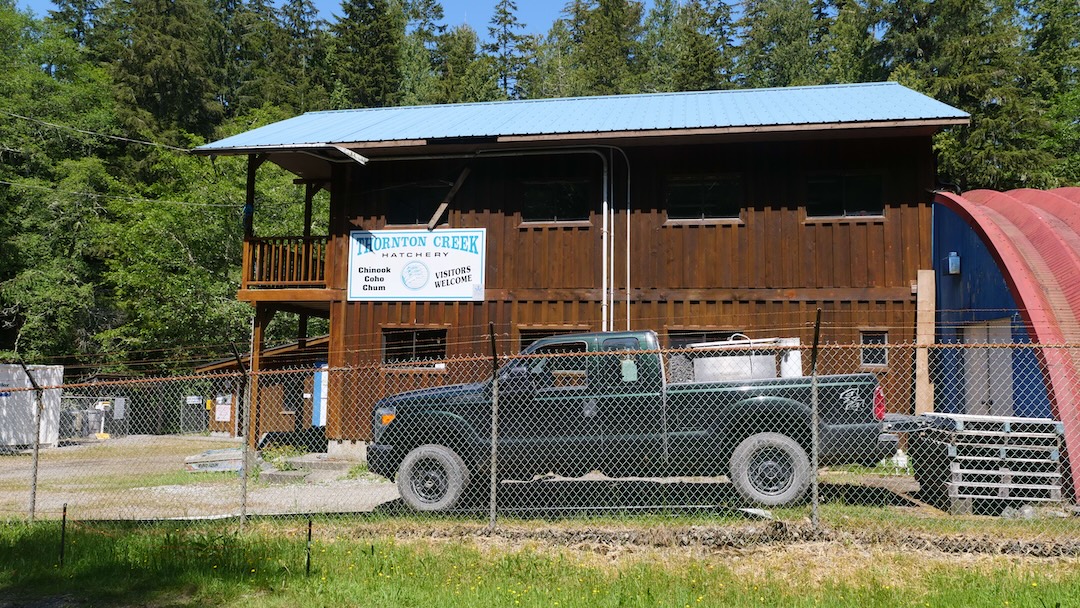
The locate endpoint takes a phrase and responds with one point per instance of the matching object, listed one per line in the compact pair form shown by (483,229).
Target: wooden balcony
(285,262)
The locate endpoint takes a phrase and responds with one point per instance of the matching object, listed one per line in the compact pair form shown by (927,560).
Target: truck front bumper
(381,460)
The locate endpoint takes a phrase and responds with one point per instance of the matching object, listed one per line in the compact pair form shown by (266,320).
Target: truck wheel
(770,469)
(432,478)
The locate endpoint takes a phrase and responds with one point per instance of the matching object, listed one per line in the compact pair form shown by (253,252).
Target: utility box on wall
(17,405)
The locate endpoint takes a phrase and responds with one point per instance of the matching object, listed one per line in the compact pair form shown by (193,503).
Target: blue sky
(537,15)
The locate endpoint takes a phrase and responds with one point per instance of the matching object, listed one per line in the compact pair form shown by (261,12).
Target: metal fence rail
(707,433)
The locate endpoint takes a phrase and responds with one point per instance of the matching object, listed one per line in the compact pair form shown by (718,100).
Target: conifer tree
(505,46)
(463,74)
(225,50)
(159,59)
(1053,41)
(75,17)
(851,48)
(661,46)
(704,53)
(368,39)
(550,69)
(262,50)
(778,44)
(609,45)
(419,81)
(304,62)
(970,54)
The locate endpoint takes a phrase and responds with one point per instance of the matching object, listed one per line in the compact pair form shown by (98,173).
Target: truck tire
(432,478)
(770,469)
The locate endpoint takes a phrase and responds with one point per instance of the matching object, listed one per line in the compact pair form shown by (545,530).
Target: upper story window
(877,355)
(414,204)
(844,195)
(416,346)
(555,201)
(703,197)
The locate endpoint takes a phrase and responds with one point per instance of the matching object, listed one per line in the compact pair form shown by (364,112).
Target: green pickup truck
(574,404)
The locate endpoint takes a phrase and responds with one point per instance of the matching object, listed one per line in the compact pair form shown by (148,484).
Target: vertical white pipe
(604,237)
(628,209)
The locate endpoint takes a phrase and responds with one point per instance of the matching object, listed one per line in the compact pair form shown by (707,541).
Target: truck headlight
(385,415)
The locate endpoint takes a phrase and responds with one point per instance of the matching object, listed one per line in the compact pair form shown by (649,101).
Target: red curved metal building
(1034,238)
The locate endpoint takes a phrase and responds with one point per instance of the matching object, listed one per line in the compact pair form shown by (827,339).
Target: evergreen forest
(120,251)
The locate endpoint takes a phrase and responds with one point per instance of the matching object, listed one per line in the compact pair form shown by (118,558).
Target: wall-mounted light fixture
(954,262)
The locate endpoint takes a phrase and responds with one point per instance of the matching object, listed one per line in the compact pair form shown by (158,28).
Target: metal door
(988,376)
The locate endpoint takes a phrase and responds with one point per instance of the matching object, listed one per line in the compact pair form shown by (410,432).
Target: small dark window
(555,201)
(682,338)
(875,357)
(418,346)
(703,198)
(844,196)
(414,204)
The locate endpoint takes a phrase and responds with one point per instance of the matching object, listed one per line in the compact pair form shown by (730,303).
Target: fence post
(37,440)
(815,439)
(494,429)
(63,535)
(244,399)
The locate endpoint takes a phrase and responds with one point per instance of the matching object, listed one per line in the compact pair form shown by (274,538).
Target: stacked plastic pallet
(964,462)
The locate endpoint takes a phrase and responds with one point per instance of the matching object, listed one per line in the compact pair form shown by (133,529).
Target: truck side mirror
(517,379)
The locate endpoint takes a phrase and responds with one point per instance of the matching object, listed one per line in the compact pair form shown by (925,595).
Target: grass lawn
(398,562)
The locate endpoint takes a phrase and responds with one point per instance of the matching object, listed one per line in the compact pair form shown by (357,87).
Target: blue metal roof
(883,102)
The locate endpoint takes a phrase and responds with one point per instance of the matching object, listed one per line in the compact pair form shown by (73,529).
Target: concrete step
(322,462)
(283,477)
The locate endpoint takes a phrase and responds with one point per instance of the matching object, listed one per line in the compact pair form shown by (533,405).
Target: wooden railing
(285,262)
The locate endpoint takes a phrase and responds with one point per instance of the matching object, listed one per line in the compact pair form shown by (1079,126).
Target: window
(682,338)
(874,357)
(704,198)
(414,204)
(563,369)
(418,346)
(844,196)
(555,201)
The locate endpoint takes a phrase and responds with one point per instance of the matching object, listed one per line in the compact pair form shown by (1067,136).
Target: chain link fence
(595,426)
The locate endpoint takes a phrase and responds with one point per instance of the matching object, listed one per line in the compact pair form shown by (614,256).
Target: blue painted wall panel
(978,294)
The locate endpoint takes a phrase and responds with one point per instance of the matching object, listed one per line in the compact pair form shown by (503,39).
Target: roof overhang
(313,161)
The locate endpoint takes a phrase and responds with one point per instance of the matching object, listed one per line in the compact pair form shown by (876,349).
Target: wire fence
(584,427)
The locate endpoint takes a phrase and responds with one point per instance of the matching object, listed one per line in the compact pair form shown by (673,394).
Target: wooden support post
(258,333)
(925,324)
(336,387)
(254,162)
(309,194)
(301,331)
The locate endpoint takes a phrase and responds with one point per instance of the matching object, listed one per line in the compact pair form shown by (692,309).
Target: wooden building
(698,215)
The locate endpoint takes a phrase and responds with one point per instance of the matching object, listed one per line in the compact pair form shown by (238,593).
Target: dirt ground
(144,477)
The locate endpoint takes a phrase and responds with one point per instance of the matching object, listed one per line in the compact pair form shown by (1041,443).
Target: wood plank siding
(763,272)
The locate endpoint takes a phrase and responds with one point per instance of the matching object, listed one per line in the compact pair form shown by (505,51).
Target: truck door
(551,427)
(628,393)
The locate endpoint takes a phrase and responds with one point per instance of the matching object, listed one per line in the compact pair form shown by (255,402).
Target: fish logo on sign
(415,275)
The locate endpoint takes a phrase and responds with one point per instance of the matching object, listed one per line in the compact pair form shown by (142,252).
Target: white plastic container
(17,406)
